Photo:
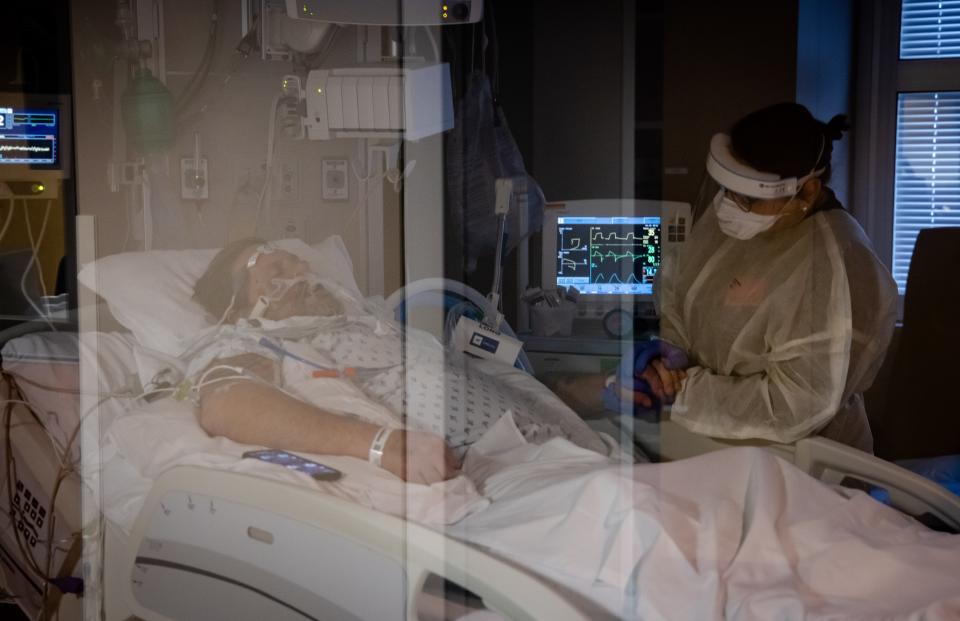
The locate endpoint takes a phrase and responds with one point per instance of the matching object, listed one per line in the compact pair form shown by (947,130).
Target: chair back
(921,413)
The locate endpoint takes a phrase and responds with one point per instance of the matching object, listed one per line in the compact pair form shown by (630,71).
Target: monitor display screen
(614,255)
(29,136)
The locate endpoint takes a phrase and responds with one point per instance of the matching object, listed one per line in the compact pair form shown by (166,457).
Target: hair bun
(835,127)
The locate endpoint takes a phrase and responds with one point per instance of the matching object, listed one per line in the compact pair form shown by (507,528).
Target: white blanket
(736,534)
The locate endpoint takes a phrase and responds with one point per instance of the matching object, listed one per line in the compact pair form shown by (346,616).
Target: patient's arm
(581,391)
(252,412)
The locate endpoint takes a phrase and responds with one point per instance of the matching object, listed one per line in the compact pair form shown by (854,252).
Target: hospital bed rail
(265,549)
(834,464)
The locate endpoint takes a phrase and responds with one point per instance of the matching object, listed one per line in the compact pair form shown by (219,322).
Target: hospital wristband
(378,444)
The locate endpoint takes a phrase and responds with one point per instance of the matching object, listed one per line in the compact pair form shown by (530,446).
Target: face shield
(739,185)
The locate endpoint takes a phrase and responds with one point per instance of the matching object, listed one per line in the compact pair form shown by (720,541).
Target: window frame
(881,77)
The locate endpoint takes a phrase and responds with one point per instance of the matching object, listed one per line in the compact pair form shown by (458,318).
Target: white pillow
(150,293)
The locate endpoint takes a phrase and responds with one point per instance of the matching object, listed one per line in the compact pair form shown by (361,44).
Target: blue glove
(632,366)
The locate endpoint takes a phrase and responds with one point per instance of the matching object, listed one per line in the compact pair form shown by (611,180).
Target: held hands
(652,376)
(419,457)
(662,385)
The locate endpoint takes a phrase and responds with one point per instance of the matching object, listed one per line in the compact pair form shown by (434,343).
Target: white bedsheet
(736,534)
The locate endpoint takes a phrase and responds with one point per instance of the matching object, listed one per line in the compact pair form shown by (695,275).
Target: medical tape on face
(260,251)
(259,308)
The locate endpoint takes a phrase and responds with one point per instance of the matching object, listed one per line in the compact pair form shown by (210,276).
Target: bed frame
(32,480)
(835,464)
(220,545)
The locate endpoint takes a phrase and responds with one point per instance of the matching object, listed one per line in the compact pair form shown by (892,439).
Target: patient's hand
(664,383)
(419,457)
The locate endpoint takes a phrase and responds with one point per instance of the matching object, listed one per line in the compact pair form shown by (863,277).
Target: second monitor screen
(608,255)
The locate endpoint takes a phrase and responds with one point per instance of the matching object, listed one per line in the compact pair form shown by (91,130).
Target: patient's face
(279,276)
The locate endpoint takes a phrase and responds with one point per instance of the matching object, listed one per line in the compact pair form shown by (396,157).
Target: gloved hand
(651,375)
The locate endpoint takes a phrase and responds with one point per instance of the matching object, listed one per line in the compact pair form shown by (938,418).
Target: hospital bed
(253,538)
(252,541)
(35,441)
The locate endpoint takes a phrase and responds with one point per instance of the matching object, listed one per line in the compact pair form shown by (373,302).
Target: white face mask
(738,223)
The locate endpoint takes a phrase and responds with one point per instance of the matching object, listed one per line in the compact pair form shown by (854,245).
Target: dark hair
(214,290)
(786,139)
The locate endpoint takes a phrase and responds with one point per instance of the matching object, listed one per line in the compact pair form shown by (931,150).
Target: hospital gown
(785,331)
(430,392)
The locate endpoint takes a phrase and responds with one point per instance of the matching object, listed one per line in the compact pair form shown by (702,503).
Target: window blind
(930,29)
(927,177)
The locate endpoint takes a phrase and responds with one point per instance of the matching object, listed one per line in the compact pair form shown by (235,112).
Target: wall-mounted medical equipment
(279,36)
(610,250)
(388,12)
(148,113)
(34,149)
(35,166)
(193,174)
(29,136)
(334,180)
(378,102)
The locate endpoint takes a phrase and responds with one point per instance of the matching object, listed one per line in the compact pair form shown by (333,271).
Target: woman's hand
(651,376)
(419,457)
(664,385)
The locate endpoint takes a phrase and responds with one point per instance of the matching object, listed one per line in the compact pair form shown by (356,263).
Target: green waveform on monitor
(618,256)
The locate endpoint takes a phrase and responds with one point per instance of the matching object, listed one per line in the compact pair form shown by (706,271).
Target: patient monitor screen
(28,136)
(608,255)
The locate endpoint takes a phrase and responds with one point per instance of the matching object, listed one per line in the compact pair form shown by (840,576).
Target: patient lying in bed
(296,332)
(736,534)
